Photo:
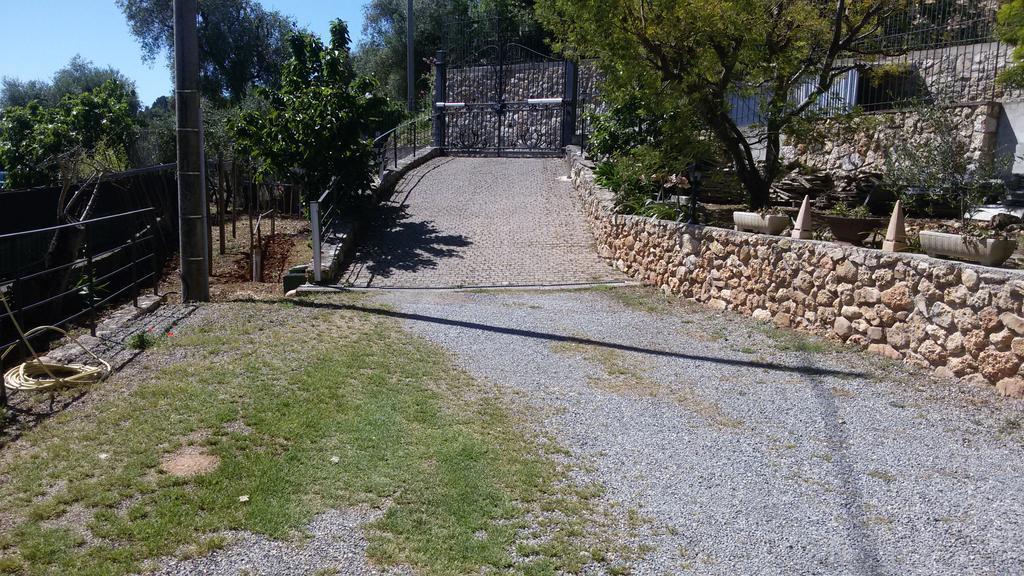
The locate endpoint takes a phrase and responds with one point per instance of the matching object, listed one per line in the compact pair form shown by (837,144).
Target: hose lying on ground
(35,375)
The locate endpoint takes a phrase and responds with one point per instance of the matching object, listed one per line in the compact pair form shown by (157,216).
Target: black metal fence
(87,266)
(943,52)
(406,141)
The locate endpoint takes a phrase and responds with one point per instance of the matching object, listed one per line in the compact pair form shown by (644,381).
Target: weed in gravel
(792,341)
(840,392)
(882,475)
(407,429)
(641,299)
(1011,426)
(141,341)
(622,376)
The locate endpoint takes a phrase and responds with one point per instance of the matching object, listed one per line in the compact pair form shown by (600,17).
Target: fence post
(314,223)
(90,272)
(440,90)
(569,101)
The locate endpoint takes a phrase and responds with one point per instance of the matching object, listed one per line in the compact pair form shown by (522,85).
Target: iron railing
(935,53)
(116,255)
(405,141)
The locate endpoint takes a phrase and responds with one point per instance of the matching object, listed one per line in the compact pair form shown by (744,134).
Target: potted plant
(767,221)
(941,172)
(988,244)
(850,224)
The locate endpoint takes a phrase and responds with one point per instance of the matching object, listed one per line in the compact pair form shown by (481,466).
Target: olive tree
(706,54)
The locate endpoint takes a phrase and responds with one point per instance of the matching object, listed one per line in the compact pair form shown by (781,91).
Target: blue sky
(37,37)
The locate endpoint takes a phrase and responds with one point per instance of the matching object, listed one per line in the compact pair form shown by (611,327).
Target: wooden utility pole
(410,57)
(192,209)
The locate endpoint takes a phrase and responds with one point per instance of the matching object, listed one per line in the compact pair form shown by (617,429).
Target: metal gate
(505,99)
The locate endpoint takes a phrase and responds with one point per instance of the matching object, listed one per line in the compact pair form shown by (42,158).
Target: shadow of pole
(867,560)
(807,370)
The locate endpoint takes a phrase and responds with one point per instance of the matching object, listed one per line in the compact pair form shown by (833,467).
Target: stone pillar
(569,100)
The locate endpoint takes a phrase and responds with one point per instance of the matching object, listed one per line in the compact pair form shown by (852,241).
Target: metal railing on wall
(405,141)
(933,53)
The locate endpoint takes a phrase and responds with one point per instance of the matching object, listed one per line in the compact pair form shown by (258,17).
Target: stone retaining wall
(851,151)
(962,320)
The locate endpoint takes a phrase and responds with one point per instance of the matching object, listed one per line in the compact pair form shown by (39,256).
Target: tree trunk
(753,180)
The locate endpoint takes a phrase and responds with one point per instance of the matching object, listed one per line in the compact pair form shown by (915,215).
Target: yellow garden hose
(39,376)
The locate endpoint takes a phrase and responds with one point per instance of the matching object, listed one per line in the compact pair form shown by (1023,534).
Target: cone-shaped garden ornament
(896,236)
(804,228)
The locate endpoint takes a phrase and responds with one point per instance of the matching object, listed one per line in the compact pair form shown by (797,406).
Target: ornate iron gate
(505,99)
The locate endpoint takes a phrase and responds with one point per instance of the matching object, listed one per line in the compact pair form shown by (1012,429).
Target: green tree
(1010,27)
(41,145)
(705,54)
(78,76)
(241,44)
(317,126)
(382,53)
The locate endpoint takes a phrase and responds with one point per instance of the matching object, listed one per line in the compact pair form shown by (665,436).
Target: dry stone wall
(851,151)
(961,320)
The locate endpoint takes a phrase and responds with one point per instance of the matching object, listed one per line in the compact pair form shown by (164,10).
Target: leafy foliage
(241,44)
(939,170)
(642,183)
(78,76)
(383,53)
(706,54)
(316,126)
(36,141)
(1010,28)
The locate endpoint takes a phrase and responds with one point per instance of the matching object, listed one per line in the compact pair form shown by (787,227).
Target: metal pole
(410,57)
(195,281)
(314,221)
(569,102)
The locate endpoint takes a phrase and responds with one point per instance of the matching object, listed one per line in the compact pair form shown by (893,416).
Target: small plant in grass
(141,341)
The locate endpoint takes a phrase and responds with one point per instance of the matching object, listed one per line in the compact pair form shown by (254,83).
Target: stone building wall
(961,320)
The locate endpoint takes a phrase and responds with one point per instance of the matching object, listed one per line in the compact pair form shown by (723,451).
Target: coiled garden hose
(38,376)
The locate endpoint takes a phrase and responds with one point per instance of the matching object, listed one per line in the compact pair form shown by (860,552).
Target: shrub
(95,127)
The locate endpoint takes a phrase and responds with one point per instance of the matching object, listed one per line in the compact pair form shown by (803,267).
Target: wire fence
(87,265)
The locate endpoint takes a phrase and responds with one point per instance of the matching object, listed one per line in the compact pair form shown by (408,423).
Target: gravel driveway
(749,451)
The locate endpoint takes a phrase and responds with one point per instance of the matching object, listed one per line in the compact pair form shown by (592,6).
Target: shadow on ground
(397,243)
(805,370)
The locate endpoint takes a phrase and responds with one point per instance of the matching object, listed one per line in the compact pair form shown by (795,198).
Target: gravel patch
(335,544)
(744,457)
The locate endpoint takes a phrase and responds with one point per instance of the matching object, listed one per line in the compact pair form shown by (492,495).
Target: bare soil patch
(231,278)
(189,462)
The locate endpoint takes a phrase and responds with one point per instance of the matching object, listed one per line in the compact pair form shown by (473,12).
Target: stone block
(898,298)
(842,328)
(996,365)
(1011,387)
(1013,322)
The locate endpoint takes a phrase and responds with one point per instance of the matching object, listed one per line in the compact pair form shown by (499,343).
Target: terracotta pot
(848,230)
(985,251)
(772,224)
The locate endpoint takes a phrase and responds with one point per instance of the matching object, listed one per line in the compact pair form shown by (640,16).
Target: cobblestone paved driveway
(467,222)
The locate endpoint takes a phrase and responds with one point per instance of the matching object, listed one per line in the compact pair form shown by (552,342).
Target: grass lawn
(308,407)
